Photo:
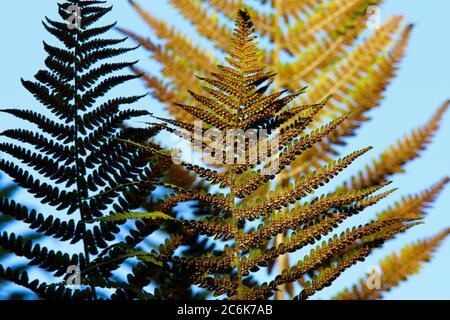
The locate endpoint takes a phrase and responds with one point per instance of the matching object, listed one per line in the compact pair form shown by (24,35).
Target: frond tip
(396,268)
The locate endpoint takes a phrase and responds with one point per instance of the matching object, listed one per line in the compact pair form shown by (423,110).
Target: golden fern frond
(355,64)
(392,160)
(313,57)
(327,20)
(296,191)
(372,235)
(288,155)
(396,268)
(368,90)
(351,17)
(328,275)
(413,206)
(263,22)
(241,96)
(243,104)
(349,256)
(347,73)
(207,25)
(311,230)
(366,94)
(174,69)
(177,43)
(237,99)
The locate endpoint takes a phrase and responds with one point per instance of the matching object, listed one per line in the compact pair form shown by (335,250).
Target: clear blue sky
(422,85)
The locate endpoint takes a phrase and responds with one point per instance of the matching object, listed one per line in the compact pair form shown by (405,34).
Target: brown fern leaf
(392,160)
(207,25)
(413,206)
(320,38)
(301,189)
(396,268)
(237,100)
(242,96)
(366,94)
(372,236)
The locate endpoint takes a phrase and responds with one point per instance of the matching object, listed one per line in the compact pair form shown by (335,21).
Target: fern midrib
(280,294)
(232,176)
(79,187)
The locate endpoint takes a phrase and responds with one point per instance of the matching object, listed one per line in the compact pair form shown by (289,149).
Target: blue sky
(422,85)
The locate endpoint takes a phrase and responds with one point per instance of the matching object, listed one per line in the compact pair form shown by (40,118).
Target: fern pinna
(76,162)
(396,268)
(237,99)
(6,191)
(319,43)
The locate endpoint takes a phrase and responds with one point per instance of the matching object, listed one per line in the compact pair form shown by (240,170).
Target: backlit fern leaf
(307,42)
(392,160)
(249,105)
(396,268)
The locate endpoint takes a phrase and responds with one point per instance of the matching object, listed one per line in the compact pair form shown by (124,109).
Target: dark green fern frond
(73,162)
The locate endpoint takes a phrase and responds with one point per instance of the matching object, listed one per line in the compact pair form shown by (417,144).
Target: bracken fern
(237,99)
(318,43)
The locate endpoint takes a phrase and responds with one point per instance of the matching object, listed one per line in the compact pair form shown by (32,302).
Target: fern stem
(232,176)
(237,256)
(279,294)
(77,158)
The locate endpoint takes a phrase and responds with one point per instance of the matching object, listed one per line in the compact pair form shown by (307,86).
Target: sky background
(422,85)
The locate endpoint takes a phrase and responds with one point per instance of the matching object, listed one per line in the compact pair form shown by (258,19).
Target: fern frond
(392,160)
(396,268)
(289,155)
(304,186)
(332,248)
(74,153)
(43,290)
(366,95)
(315,219)
(56,130)
(263,22)
(322,41)
(52,261)
(50,226)
(356,63)
(207,25)
(330,19)
(42,164)
(175,41)
(413,206)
